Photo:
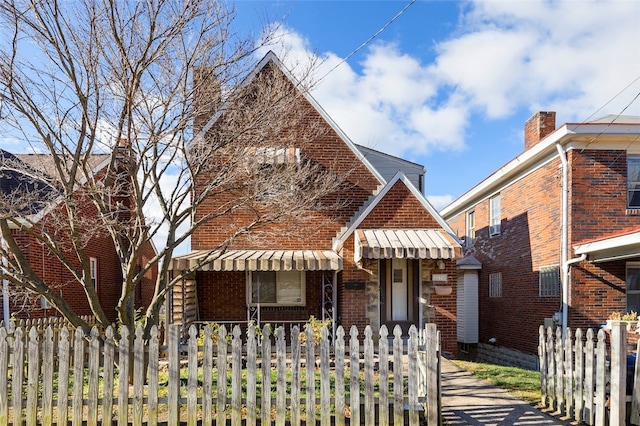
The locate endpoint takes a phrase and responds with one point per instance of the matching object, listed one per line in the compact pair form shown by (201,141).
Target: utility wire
(368,40)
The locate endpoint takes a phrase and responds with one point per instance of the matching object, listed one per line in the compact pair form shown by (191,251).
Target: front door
(399,293)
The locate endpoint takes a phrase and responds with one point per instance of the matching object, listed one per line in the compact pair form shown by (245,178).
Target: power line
(404,9)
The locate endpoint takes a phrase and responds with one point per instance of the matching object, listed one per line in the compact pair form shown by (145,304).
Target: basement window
(549,283)
(495,284)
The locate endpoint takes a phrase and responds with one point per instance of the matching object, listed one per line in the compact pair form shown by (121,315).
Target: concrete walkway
(467,400)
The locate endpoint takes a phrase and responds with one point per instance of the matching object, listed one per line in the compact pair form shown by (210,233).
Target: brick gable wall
(399,209)
(314,231)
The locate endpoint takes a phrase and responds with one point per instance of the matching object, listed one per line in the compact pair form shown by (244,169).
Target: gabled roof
(271,57)
(31,173)
(364,212)
(17,177)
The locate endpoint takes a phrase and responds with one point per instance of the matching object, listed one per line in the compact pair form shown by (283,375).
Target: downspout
(564,240)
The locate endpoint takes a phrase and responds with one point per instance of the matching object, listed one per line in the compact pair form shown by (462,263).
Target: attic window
(274,156)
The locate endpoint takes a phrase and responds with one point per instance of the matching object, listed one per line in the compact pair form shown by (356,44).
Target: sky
(450,84)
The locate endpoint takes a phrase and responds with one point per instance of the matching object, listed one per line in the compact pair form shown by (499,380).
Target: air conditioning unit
(494,229)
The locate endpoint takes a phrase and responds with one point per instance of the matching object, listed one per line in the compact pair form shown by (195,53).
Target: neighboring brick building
(105,267)
(337,266)
(552,256)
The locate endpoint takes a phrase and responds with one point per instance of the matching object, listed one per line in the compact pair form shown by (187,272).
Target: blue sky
(449,84)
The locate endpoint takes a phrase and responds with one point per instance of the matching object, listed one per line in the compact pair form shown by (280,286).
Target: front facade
(104,262)
(370,261)
(555,231)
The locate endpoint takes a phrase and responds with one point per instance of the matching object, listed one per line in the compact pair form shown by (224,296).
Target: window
(277,288)
(494,215)
(633,286)
(93,264)
(549,281)
(275,171)
(471,228)
(495,284)
(633,181)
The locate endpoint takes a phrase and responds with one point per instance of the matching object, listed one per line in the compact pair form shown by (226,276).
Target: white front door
(399,290)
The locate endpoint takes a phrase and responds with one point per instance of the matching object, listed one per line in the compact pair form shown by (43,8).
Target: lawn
(521,383)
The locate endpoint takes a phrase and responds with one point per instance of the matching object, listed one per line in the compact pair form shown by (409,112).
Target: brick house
(556,233)
(373,261)
(105,266)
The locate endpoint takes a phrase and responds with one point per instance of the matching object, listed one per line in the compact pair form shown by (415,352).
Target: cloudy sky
(449,84)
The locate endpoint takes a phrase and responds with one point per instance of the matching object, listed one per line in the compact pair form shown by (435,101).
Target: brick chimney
(538,127)
(206,96)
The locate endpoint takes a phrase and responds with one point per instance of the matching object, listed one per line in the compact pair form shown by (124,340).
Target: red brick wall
(316,229)
(529,239)
(399,209)
(54,274)
(598,209)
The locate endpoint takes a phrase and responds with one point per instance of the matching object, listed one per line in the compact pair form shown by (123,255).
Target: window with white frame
(633,181)
(549,282)
(494,215)
(93,264)
(471,228)
(273,288)
(495,284)
(633,286)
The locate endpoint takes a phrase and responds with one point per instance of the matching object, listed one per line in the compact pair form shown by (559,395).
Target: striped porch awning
(405,244)
(258,260)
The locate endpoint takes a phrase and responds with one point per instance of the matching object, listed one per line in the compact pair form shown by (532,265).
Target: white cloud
(503,57)
(539,54)
(440,201)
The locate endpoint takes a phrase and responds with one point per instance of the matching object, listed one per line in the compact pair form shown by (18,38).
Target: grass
(521,383)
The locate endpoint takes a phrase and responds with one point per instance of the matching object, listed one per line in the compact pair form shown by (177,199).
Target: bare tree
(134,83)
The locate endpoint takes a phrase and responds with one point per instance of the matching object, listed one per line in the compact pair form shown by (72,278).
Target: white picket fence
(213,379)
(584,376)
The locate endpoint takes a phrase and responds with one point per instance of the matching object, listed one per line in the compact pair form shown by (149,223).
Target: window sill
(632,212)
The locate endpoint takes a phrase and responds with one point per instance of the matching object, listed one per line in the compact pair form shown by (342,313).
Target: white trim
(614,248)
(570,135)
(338,243)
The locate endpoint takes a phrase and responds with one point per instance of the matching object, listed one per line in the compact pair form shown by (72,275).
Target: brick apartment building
(555,233)
(15,176)
(373,261)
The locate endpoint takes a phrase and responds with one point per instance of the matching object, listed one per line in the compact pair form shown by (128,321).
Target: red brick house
(373,261)
(556,233)
(104,262)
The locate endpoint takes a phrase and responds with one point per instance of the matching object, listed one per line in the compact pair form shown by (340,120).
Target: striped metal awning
(405,244)
(258,260)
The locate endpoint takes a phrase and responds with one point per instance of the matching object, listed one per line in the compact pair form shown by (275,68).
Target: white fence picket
(118,379)
(586,377)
